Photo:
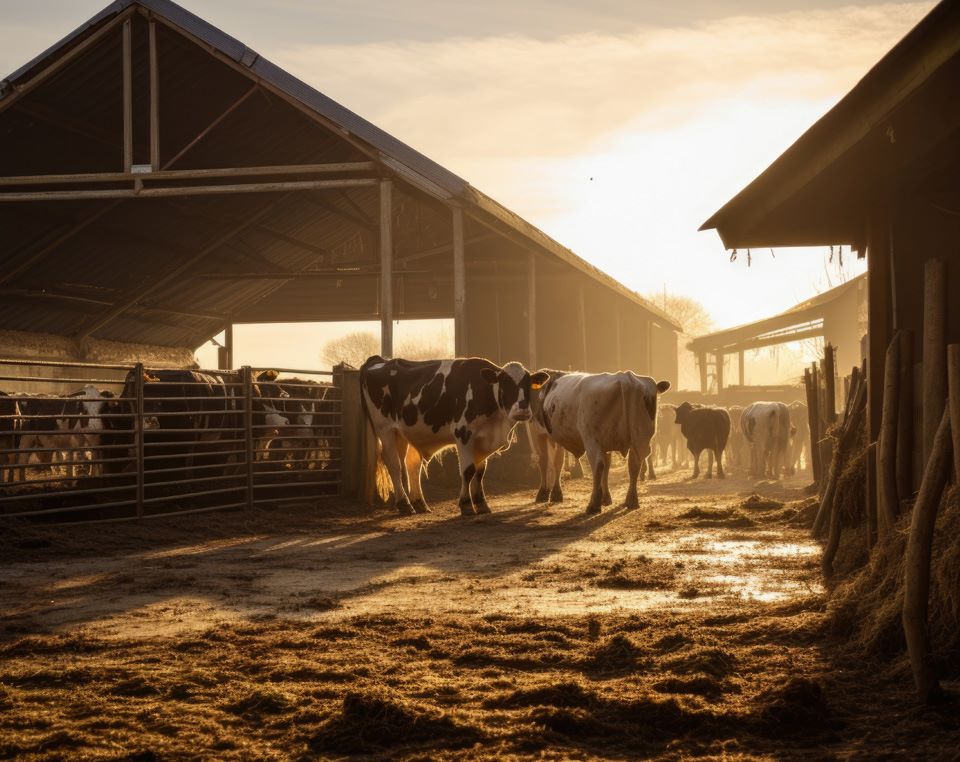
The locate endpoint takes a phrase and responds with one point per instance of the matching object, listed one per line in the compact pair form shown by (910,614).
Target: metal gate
(92,442)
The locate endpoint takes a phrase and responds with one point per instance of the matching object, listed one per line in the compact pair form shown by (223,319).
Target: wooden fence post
(905,418)
(917,564)
(889,502)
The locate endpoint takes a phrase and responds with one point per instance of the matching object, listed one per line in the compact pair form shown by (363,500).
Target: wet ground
(692,626)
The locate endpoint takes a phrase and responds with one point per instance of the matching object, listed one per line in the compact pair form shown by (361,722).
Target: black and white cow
(598,414)
(767,429)
(309,407)
(704,428)
(9,432)
(418,409)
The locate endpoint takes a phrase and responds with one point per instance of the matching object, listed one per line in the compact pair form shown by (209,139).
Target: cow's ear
(662,386)
(538,379)
(489,375)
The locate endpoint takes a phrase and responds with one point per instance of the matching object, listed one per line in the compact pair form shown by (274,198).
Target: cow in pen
(598,414)
(418,409)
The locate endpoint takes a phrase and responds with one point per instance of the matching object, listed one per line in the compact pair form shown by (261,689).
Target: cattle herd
(419,408)
(192,421)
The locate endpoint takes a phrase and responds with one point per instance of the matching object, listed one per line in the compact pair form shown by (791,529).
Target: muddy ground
(692,627)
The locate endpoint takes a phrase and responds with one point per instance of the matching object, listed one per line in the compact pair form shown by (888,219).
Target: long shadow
(348,556)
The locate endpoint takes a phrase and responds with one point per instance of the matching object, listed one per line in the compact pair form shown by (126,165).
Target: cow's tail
(374,448)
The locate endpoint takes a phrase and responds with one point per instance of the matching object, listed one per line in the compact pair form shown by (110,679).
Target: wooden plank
(532,310)
(213,125)
(196,190)
(127,95)
(154,99)
(934,350)
(459,285)
(188,174)
(386,268)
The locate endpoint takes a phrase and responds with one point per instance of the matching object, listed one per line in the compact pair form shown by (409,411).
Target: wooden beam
(188,190)
(228,345)
(386,268)
(57,296)
(702,365)
(181,268)
(459,285)
(719,372)
(880,319)
(443,248)
(742,376)
(188,174)
(18,91)
(127,95)
(331,207)
(154,99)
(213,125)
(532,309)
(934,349)
(325,274)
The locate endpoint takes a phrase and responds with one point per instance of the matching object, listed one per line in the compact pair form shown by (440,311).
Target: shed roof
(798,322)
(257,112)
(816,192)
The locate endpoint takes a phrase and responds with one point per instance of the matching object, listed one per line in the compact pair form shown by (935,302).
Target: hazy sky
(618,128)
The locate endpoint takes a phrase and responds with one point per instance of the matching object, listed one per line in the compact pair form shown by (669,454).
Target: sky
(617,128)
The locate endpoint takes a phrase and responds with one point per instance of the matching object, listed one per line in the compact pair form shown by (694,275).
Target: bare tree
(428,346)
(351,348)
(689,313)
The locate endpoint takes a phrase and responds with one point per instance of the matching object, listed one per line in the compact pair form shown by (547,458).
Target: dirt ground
(691,627)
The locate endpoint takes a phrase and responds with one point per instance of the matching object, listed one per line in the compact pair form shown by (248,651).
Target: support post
(953,386)
(743,380)
(386,268)
(889,503)
(582,325)
(702,363)
(154,99)
(127,95)
(459,285)
(225,355)
(619,336)
(532,310)
(880,310)
(934,350)
(138,434)
(719,373)
(830,384)
(246,375)
(905,417)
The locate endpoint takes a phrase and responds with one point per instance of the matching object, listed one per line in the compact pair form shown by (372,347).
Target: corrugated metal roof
(264,135)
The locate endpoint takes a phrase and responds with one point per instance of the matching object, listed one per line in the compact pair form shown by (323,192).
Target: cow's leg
(709,464)
(556,490)
(607,499)
(653,472)
(541,446)
(576,470)
(696,464)
(467,471)
(391,459)
(413,465)
(476,489)
(598,463)
(720,474)
(634,466)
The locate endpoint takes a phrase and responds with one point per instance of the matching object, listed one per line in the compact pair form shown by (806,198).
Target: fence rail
(160,442)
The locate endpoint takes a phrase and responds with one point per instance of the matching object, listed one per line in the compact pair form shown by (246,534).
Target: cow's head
(682,411)
(271,399)
(514,383)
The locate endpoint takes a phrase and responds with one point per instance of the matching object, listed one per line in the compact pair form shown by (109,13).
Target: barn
(161,182)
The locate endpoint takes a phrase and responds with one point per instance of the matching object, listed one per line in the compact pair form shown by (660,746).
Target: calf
(598,414)
(766,427)
(704,428)
(418,409)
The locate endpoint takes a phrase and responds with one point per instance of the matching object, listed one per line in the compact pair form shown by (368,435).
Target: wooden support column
(953,384)
(702,364)
(582,326)
(459,285)
(386,268)
(228,354)
(154,99)
(619,335)
(743,380)
(934,350)
(127,95)
(719,373)
(532,310)
(905,424)
(880,311)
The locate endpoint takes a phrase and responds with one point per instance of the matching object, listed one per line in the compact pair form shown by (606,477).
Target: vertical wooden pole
(889,502)
(719,373)
(619,335)
(905,426)
(582,325)
(743,380)
(702,363)
(228,346)
(916,590)
(246,375)
(127,95)
(816,430)
(532,310)
(953,385)
(386,268)
(154,99)
(830,384)
(871,494)
(138,434)
(934,350)
(880,317)
(459,285)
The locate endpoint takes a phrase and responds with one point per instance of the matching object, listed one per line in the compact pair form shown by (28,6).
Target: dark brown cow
(705,428)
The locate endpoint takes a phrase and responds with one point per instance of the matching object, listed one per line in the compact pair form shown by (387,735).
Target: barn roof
(801,321)
(897,117)
(111,269)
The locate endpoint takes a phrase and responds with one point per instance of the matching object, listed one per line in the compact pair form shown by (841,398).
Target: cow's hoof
(556,496)
(607,500)
(482,508)
(593,510)
(631,502)
(721,476)
(419,506)
(466,509)
(543,494)
(405,509)
(708,476)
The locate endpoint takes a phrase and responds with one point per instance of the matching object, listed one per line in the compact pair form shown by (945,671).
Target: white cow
(598,414)
(766,427)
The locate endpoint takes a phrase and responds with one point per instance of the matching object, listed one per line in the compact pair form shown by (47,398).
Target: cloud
(518,96)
